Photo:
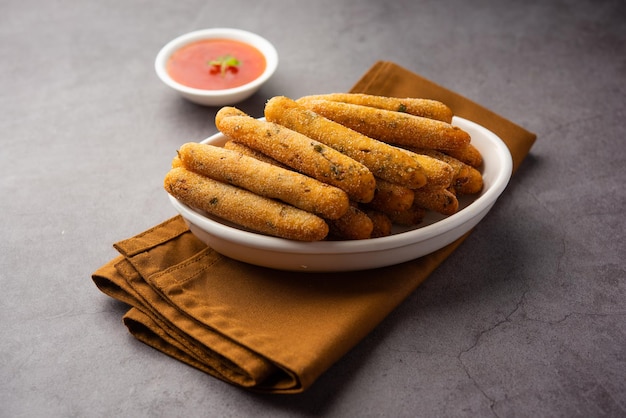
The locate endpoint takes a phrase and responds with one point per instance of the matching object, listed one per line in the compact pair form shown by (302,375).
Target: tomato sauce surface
(191,64)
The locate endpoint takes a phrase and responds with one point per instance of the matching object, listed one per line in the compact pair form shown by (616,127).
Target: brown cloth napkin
(261,329)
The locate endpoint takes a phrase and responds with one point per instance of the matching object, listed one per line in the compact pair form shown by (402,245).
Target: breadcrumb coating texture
(244,208)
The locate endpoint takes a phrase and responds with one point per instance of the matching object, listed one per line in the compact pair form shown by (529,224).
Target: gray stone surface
(527,318)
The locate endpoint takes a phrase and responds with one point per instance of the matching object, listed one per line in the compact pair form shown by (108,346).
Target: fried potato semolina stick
(246,150)
(466,179)
(438,173)
(410,217)
(228,111)
(176,162)
(381,223)
(301,153)
(244,208)
(469,154)
(354,225)
(438,200)
(383,160)
(428,108)
(265,179)
(392,127)
(391,197)
(469,181)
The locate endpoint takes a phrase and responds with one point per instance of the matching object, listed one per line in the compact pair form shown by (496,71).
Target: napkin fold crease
(261,329)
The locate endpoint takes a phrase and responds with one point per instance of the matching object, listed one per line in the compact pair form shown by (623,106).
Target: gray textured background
(527,318)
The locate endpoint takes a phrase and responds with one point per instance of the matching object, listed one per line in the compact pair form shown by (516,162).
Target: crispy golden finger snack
(466,179)
(228,111)
(469,181)
(438,173)
(438,200)
(391,197)
(355,224)
(384,161)
(381,223)
(265,179)
(300,153)
(469,154)
(176,162)
(246,150)
(244,208)
(333,166)
(392,127)
(427,108)
(410,217)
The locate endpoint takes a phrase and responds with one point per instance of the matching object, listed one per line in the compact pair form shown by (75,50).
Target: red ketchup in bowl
(216,64)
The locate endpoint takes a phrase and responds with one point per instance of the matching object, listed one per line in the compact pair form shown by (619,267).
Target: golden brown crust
(246,150)
(346,166)
(301,153)
(438,173)
(466,179)
(381,223)
(426,108)
(265,179)
(392,127)
(244,208)
(469,154)
(176,162)
(410,217)
(390,197)
(383,160)
(355,224)
(438,200)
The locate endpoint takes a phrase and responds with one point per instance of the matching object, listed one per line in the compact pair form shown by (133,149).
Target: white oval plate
(435,232)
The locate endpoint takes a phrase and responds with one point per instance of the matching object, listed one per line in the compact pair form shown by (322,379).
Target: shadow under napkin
(267,330)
